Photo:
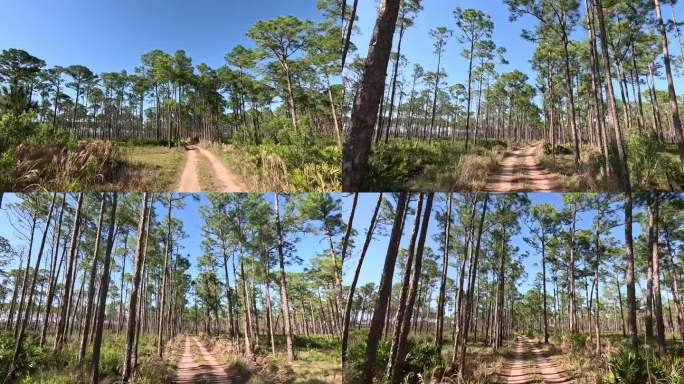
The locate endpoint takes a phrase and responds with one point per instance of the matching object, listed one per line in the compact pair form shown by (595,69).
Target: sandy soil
(520,172)
(224,180)
(529,364)
(202,368)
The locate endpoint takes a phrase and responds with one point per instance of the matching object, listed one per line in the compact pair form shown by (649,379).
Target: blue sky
(308,246)
(374,260)
(111,35)
(417,44)
(311,244)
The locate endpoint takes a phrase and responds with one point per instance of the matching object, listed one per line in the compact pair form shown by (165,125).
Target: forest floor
(204,172)
(197,365)
(528,363)
(520,171)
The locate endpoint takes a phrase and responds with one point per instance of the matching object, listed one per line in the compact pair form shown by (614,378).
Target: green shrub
(152,371)
(7,170)
(392,165)
(15,127)
(304,166)
(111,357)
(629,367)
(422,358)
(491,144)
(576,341)
(30,356)
(43,134)
(356,358)
(559,149)
(649,162)
(626,367)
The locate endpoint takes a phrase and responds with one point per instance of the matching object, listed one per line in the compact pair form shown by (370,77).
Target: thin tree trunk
(133,301)
(102,300)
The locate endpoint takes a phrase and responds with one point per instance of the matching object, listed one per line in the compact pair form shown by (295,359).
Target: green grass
(40,365)
(299,166)
(442,165)
(205,174)
(317,360)
(153,168)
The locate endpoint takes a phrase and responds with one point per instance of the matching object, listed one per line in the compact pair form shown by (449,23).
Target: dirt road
(528,364)
(223,179)
(520,172)
(197,365)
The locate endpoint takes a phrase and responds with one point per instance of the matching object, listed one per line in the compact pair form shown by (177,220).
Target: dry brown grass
(587,179)
(272,176)
(469,173)
(261,369)
(87,165)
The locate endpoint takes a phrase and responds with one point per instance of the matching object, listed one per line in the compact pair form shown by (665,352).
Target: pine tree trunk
(102,300)
(91,284)
(355,279)
(60,334)
(133,301)
(284,304)
(377,321)
(365,110)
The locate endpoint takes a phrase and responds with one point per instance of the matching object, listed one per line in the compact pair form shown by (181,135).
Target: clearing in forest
(197,365)
(220,178)
(527,363)
(520,171)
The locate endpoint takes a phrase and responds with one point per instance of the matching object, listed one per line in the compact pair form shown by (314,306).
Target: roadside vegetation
(591,98)
(67,128)
(480,288)
(106,287)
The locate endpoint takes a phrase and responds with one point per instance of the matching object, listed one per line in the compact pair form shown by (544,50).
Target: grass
(250,174)
(40,365)
(205,174)
(442,165)
(153,168)
(482,361)
(298,166)
(317,360)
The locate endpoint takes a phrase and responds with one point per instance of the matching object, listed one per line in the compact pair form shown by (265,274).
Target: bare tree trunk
(442,285)
(133,301)
(284,304)
(53,275)
(653,216)
(91,284)
(404,324)
(29,301)
(377,321)
(365,111)
(60,334)
(102,300)
(674,107)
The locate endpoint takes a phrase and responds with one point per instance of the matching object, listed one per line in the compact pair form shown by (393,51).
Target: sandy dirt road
(520,172)
(197,365)
(527,363)
(223,179)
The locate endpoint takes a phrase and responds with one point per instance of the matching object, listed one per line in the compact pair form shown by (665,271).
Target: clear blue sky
(308,245)
(375,258)
(111,35)
(417,43)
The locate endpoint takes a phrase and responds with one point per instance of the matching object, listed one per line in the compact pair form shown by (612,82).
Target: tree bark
(365,110)
(377,321)
(133,301)
(102,300)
